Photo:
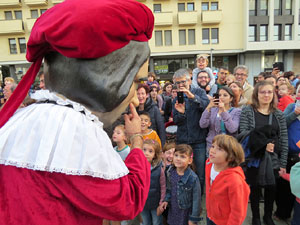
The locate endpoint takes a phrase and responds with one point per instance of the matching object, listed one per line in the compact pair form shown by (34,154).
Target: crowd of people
(228,138)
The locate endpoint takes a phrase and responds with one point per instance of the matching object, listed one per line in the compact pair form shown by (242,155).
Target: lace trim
(44,95)
(61,170)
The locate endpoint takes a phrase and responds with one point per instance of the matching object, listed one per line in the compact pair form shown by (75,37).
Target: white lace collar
(49,137)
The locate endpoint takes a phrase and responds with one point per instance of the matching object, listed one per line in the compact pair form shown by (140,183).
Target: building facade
(256,33)
(184,29)
(16,21)
(273,35)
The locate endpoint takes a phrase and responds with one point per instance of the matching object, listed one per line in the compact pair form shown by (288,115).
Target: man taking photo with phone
(185,116)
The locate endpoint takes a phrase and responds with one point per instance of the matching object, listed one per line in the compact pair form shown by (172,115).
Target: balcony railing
(11,27)
(35,2)
(188,17)
(212,17)
(57,1)
(163,18)
(10,3)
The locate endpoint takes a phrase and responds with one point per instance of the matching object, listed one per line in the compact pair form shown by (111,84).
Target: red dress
(30,197)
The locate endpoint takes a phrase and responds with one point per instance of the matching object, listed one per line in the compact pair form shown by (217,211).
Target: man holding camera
(187,110)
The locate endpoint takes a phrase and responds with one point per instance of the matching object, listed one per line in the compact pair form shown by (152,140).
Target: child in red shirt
(227,192)
(285,97)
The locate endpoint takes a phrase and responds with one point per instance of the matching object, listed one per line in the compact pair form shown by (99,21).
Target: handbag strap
(270,118)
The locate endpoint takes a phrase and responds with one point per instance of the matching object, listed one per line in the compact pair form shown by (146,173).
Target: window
(288,7)
(277,32)
(182,37)
(18,15)
(264,7)
(215,35)
(12,46)
(190,6)
(214,6)
(158,38)
(164,66)
(157,8)
(181,7)
(263,33)
(204,6)
(22,45)
(8,15)
(42,11)
(205,36)
(299,32)
(252,7)
(277,7)
(288,32)
(168,37)
(34,13)
(191,36)
(252,34)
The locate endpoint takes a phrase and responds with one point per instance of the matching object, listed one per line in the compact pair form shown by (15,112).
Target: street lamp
(211,59)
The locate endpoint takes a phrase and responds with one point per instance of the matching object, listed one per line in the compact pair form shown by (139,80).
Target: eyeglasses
(180,82)
(240,74)
(265,92)
(200,78)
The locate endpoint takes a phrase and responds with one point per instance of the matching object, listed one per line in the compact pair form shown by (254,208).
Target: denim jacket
(188,192)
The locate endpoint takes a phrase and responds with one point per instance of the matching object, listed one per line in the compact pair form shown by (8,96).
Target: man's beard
(203,87)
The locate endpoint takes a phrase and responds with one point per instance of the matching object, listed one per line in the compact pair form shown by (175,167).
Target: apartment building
(256,33)
(252,32)
(16,21)
(185,28)
(273,35)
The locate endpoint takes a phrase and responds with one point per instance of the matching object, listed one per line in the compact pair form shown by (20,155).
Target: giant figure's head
(95,53)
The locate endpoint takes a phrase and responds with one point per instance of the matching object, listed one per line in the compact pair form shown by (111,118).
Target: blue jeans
(296,217)
(199,151)
(150,217)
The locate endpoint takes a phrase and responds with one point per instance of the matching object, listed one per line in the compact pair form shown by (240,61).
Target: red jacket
(284,102)
(227,197)
(45,198)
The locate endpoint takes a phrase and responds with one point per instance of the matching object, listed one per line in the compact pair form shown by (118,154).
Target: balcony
(163,19)
(35,2)
(29,23)
(10,3)
(187,18)
(11,27)
(212,17)
(57,1)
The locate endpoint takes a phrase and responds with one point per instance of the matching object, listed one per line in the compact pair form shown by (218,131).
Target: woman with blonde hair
(237,90)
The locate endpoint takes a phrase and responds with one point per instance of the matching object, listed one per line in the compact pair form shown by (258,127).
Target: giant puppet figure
(57,165)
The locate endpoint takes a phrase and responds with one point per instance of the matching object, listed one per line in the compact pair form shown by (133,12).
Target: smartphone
(216,96)
(180,97)
(279,66)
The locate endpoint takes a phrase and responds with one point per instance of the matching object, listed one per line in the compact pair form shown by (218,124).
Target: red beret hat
(81,29)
